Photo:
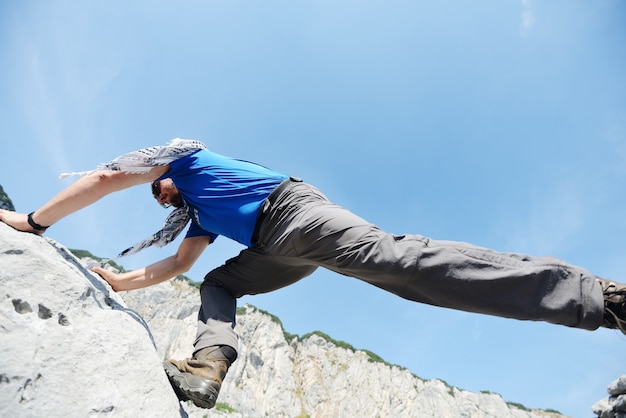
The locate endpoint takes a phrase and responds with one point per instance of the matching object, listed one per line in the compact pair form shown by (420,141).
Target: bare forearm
(144,277)
(187,254)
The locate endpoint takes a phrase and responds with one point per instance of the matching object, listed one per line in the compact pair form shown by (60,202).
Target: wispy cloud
(527,21)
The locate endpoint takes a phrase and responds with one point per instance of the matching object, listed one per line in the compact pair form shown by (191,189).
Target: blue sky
(500,123)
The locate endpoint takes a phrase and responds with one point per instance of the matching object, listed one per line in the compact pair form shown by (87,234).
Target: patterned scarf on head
(141,161)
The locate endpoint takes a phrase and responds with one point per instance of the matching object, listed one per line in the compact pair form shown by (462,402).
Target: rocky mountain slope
(72,347)
(312,376)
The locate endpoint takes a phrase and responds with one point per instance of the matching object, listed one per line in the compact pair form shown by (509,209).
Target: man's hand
(112,278)
(18,221)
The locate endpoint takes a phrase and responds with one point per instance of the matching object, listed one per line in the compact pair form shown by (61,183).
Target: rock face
(70,346)
(615,405)
(5,202)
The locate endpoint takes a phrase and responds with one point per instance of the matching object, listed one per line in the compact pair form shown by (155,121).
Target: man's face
(166,193)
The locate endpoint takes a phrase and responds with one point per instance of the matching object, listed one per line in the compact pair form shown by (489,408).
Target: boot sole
(191,388)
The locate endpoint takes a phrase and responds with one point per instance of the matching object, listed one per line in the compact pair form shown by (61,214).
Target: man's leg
(474,279)
(460,276)
(252,272)
(200,377)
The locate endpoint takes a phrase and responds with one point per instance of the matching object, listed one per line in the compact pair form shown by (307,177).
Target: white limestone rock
(307,377)
(70,346)
(615,405)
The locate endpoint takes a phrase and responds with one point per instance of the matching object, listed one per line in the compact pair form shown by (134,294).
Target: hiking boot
(614,305)
(200,377)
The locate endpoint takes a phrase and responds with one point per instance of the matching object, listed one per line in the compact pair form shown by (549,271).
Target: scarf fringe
(143,160)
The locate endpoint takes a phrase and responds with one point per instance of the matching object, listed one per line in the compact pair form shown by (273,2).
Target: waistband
(267,204)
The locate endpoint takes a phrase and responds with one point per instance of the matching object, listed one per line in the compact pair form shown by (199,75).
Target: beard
(177,201)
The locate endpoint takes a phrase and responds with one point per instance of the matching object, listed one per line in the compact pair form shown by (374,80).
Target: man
(290,229)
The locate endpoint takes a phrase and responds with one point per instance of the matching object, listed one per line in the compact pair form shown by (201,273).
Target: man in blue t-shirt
(223,194)
(290,228)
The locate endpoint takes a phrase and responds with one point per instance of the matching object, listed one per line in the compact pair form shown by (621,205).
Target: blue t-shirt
(223,194)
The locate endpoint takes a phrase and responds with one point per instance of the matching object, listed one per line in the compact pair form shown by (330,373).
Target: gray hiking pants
(301,230)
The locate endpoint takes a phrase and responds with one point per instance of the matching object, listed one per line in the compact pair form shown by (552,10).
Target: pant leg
(476,279)
(253,271)
(441,273)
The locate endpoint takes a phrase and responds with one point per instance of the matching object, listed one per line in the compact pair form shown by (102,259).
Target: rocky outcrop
(615,405)
(5,202)
(69,345)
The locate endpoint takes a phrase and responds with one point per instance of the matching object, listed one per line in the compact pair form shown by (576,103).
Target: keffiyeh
(141,161)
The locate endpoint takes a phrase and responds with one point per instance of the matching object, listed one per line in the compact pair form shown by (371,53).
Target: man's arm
(83,192)
(187,254)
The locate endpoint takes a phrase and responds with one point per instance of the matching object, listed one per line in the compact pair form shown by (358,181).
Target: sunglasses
(156,192)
